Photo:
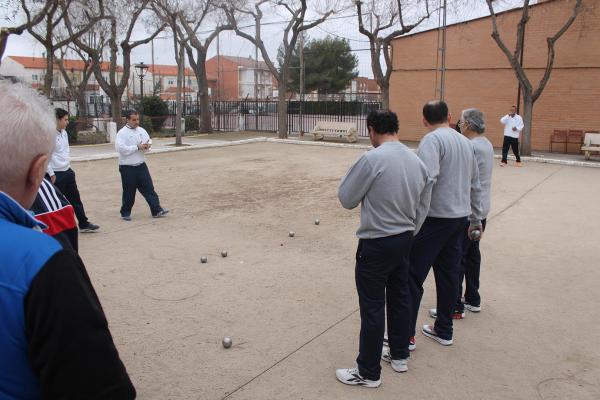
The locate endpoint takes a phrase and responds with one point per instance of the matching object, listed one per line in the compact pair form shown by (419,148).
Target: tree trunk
(81,104)
(385,97)
(180,69)
(527,122)
(282,114)
(49,77)
(115,108)
(205,117)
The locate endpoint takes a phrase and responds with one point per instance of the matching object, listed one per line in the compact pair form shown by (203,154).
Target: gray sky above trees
(343,24)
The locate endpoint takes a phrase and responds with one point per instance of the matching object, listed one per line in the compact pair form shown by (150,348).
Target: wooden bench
(335,129)
(591,144)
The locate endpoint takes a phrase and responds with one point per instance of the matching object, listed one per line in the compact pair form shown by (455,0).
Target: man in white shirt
(61,174)
(131,144)
(513,125)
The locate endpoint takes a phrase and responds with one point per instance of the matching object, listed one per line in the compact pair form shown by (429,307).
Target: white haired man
(54,337)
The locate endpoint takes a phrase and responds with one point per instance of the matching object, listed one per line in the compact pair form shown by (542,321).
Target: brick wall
(479,75)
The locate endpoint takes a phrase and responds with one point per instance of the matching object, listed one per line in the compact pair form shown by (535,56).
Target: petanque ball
(317,221)
(475,234)
(223,253)
(227,342)
(203,259)
(292,234)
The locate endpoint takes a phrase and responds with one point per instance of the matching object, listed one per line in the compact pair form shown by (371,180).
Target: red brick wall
(479,75)
(227,88)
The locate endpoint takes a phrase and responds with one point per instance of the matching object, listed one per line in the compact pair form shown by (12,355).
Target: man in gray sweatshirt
(455,198)
(393,188)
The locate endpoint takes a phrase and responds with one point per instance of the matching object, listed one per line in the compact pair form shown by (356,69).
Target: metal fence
(253,115)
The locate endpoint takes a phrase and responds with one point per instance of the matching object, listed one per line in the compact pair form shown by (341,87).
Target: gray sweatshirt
(451,163)
(484,153)
(393,186)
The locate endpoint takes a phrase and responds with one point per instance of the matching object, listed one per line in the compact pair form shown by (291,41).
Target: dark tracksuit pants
(438,244)
(137,178)
(382,279)
(510,142)
(470,270)
(65,182)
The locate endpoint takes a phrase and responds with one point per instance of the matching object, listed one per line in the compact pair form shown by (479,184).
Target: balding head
(27,137)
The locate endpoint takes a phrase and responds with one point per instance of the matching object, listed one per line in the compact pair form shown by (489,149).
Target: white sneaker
(429,331)
(400,365)
(351,376)
(412,344)
(471,308)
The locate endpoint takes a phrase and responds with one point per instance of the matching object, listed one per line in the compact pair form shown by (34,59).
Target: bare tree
(167,12)
(31,21)
(76,88)
(122,16)
(50,32)
(190,22)
(297,24)
(529,93)
(380,38)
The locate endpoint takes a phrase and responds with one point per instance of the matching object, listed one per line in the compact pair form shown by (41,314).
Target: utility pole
(441,53)
(301,81)
(153,72)
(218,69)
(256,95)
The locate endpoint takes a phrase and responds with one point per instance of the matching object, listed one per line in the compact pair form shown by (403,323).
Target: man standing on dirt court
(392,186)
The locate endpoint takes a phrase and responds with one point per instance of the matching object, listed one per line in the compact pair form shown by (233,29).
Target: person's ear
(36,172)
(449,118)
(425,123)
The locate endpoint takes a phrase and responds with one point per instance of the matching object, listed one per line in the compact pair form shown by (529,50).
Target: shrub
(72,129)
(156,108)
(191,123)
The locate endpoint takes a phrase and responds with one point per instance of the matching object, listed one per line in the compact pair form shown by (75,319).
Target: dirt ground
(290,304)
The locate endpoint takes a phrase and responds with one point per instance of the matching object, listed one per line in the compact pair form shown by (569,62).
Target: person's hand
(475,228)
(142,146)
(514,128)
(53,179)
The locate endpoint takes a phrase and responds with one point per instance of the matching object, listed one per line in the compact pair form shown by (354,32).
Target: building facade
(479,75)
(238,78)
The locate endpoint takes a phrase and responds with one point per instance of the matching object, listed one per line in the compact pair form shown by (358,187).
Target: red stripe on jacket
(59,220)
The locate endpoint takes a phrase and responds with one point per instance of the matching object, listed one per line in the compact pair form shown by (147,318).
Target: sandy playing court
(290,304)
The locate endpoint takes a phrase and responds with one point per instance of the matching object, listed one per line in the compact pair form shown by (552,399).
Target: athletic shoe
(519,164)
(351,376)
(126,217)
(160,214)
(412,344)
(455,314)
(88,227)
(429,331)
(503,164)
(472,308)
(400,365)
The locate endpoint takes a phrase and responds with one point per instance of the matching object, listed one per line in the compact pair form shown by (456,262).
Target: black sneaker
(126,217)
(89,227)
(160,214)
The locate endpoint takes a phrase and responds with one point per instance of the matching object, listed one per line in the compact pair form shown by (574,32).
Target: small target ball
(317,221)
(223,253)
(227,342)
(292,234)
(203,259)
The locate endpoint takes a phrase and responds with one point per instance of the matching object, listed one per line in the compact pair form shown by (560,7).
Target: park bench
(591,144)
(334,129)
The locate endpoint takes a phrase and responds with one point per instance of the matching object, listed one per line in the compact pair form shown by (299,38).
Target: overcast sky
(344,25)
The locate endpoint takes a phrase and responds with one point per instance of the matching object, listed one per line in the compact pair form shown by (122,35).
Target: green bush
(191,123)
(146,123)
(72,129)
(157,109)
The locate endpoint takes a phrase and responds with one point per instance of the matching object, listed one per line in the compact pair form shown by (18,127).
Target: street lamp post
(141,72)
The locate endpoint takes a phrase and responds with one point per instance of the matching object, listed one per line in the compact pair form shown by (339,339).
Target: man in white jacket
(513,125)
(131,144)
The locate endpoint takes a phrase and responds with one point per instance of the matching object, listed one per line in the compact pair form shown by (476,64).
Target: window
(171,82)
(35,77)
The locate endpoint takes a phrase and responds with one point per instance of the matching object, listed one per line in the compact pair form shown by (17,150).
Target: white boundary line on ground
(542,160)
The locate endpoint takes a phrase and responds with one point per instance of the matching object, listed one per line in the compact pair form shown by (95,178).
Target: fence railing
(254,115)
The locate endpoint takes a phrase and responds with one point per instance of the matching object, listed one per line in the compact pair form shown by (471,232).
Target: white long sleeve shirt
(510,123)
(127,145)
(61,157)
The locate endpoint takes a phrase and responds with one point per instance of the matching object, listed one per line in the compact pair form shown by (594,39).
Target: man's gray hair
(27,129)
(475,119)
